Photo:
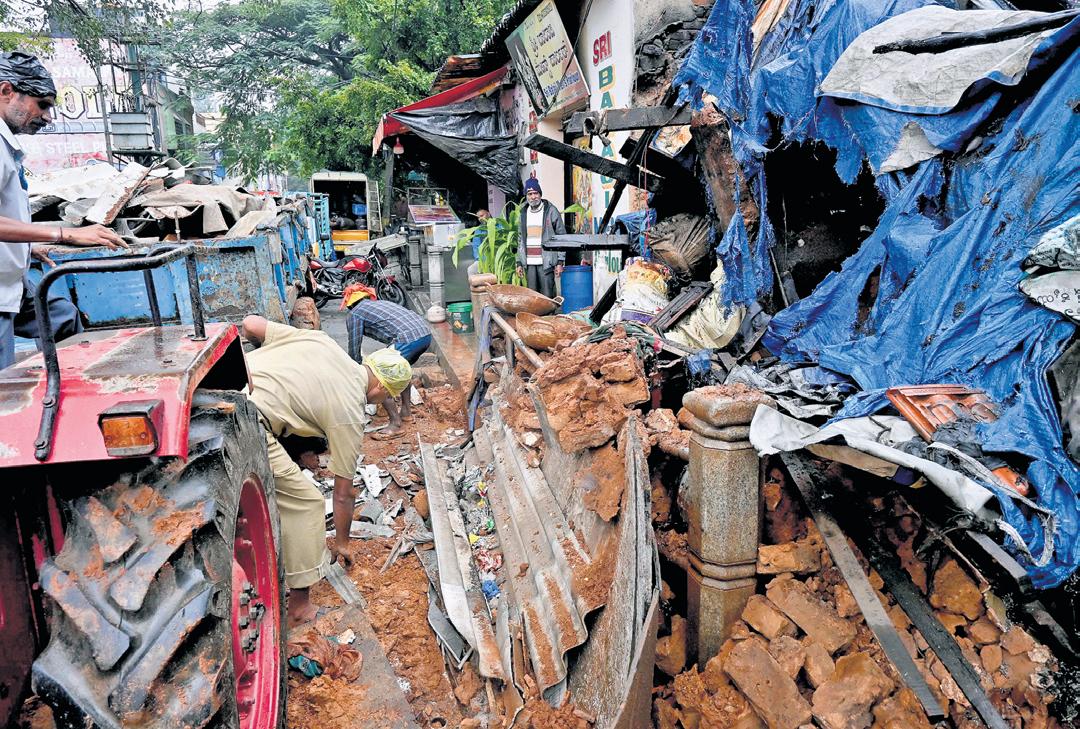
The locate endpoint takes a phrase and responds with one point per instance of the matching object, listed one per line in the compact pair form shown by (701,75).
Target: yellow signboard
(545,61)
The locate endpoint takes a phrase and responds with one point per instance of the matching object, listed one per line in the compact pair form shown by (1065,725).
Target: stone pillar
(722,504)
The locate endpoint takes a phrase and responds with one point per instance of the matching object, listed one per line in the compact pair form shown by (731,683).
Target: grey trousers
(63,314)
(541,279)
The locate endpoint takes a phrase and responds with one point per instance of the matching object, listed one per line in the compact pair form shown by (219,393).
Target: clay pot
(544,332)
(518,299)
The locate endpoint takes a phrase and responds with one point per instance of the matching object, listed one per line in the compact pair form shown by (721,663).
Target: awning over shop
(390,127)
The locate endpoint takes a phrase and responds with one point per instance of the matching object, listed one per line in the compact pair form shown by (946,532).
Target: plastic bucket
(576,284)
(460,317)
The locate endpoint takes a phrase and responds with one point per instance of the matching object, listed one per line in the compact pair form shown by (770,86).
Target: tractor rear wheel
(167,598)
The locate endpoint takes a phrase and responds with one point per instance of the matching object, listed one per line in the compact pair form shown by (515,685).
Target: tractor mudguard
(104,369)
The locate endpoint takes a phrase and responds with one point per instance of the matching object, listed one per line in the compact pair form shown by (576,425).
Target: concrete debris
(768,687)
(800,557)
(955,592)
(814,617)
(846,699)
(586,390)
(671,649)
(766,619)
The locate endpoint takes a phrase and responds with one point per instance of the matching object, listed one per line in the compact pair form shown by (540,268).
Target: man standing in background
(539,221)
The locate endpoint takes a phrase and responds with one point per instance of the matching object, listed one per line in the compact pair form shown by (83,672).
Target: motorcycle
(331,278)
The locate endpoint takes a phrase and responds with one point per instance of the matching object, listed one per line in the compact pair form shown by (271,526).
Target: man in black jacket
(539,221)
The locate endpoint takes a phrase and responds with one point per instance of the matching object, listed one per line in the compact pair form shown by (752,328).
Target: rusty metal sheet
(545,561)
(622,644)
(459,582)
(536,535)
(104,368)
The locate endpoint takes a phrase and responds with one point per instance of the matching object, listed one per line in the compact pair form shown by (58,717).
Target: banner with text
(545,61)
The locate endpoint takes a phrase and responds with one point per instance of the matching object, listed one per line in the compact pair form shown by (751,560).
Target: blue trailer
(262,274)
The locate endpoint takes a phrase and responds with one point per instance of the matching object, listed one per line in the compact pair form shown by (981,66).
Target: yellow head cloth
(390,369)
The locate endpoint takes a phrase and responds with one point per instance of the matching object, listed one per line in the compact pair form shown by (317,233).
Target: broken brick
(788,652)
(990,657)
(951,621)
(671,649)
(1016,640)
(955,592)
(765,618)
(769,689)
(816,619)
(706,704)
(799,557)
(817,663)
(845,700)
(845,602)
(982,631)
(902,710)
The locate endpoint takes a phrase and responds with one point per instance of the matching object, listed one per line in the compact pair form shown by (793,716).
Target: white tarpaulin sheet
(878,436)
(930,83)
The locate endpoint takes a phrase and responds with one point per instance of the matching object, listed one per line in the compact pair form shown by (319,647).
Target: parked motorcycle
(331,278)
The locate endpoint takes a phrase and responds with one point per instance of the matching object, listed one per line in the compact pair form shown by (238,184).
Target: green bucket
(460,316)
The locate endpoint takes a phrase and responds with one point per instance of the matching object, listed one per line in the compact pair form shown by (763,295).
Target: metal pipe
(151,295)
(514,337)
(50,404)
(196,302)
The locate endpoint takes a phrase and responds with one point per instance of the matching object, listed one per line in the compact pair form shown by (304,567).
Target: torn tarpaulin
(945,251)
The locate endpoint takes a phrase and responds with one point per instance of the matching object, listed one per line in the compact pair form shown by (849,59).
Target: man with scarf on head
(539,221)
(27,96)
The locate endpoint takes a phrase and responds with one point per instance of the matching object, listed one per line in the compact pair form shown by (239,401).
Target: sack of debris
(643,289)
(713,323)
(545,332)
(681,241)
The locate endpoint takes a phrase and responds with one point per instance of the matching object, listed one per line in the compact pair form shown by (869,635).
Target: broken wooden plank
(621,120)
(873,611)
(626,174)
(117,192)
(588,242)
(681,305)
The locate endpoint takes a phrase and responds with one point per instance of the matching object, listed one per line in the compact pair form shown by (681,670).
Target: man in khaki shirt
(304,384)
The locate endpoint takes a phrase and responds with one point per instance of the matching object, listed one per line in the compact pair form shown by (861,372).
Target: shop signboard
(437,214)
(544,60)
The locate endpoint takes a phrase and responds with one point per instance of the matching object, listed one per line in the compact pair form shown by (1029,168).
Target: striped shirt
(384,322)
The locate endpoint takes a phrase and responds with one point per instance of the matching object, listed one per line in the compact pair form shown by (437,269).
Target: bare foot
(301,615)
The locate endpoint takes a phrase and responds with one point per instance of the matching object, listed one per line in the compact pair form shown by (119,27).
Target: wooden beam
(593,162)
(621,120)
(587,242)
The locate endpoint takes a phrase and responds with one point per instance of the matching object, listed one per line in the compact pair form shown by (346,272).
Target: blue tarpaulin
(947,248)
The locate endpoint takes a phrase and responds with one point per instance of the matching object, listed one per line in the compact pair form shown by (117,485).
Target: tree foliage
(303,83)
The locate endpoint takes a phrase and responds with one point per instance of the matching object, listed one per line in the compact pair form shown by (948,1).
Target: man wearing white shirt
(27,96)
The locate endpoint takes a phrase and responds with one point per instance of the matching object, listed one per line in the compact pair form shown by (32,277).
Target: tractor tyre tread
(140,595)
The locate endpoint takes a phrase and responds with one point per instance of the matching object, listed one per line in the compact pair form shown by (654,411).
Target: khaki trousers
(303,519)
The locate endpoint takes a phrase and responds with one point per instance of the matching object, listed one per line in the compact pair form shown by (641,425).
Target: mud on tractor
(140,583)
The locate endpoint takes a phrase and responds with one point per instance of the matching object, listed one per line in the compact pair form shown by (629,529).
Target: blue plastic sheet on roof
(948,247)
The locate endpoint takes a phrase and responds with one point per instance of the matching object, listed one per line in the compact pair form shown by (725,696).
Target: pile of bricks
(802,655)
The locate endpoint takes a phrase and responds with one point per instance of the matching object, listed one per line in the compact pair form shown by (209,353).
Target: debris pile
(802,652)
(162,202)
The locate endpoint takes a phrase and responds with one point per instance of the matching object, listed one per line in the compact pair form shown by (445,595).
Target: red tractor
(139,564)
